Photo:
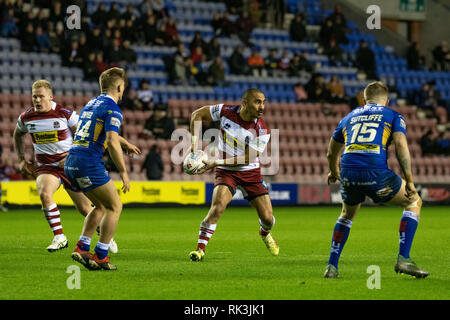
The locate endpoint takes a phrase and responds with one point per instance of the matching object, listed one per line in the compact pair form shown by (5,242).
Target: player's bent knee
(46,198)
(416,204)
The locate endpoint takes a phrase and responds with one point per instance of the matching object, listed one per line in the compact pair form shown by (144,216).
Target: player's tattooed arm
(25,166)
(129,148)
(197,117)
(403,156)
(334,150)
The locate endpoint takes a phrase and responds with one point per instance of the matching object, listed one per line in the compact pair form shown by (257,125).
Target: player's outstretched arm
(404,159)
(334,150)
(25,166)
(128,147)
(197,117)
(115,151)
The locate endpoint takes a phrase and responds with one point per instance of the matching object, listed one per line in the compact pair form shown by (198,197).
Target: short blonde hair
(42,83)
(108,79)
(375,91)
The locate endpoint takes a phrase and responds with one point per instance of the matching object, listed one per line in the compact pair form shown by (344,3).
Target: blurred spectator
(127,55)
(198,41)
(428,99)
(283,62)
(106,40)
(28,39)
(443,143)
(150,31)
(72,57)
(203,77)
(216,23)
(237,61)
(130,14)
(100,16)
(114,13)
(196,55)
(294,66)
(334,53)
(131,101)
(171,33)
(337,15)
(297,29)
(213,49)
(56,37)
(255,12)
(226,26)
(336,90)
(428,143)
(244,27)
(279,9)
(83,48)
(304,63)
(94,39)
(145,95)
(316,89)
(441,56)
(145,6)
(89,68)
(217,72)
(8,24)
(153,164)
(413,57)
(42,40)
(100,63)
(325,34)
(300,93)
(113,56)
(159,125)
(158,8)
(179,69)
(130,31)
(256,64)
(191,72)
(365,60)
(271,62)
(234,6)
(56,12)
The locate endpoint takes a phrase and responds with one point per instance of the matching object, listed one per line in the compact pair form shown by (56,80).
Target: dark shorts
(85,174)
(381,185)
(250,181)
(57,172)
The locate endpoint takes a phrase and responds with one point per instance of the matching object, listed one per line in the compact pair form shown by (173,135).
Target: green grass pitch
(154,245)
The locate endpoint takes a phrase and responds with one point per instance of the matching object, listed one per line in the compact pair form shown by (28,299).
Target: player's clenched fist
(28,168)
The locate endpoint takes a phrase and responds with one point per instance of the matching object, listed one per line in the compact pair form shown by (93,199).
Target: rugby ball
(193,162)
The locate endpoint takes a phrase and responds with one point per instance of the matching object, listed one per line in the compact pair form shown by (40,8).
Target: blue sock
(102,250)
(408,226)
(84,243)
(340,235)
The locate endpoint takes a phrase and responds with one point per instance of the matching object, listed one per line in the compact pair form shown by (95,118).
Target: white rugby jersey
(236,134)
(50,132)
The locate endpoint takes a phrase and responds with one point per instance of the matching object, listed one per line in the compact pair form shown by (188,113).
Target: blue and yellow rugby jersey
(100,115)
(367,133)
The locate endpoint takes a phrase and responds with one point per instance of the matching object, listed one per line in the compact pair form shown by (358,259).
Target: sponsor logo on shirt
(46,137)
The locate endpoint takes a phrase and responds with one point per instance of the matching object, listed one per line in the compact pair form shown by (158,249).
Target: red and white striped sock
(264,230)
(53,218)
(205,233)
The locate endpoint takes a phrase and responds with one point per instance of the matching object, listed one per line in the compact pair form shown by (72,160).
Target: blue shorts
(85,174)
(381,185)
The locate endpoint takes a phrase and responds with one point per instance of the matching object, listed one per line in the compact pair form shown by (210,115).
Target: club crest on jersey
(56,125)
(262,131)
(115,122)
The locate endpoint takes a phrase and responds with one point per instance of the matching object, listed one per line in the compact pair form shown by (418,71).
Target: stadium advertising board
(25,193)
(280,193)
(314,194)
(432,194)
